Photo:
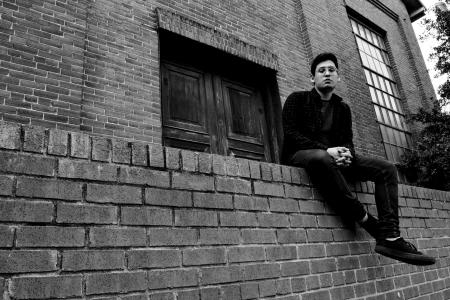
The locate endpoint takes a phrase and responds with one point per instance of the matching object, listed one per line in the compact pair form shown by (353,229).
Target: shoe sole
(409,258)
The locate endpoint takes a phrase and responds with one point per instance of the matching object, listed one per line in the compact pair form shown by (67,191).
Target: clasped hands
(342,156)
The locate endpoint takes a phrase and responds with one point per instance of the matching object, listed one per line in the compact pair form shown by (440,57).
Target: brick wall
(100,218)
(93,66)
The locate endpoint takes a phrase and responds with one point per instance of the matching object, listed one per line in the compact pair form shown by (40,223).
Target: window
(215,102)
(383,90)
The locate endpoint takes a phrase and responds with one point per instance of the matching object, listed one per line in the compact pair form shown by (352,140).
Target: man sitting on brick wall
(318,136)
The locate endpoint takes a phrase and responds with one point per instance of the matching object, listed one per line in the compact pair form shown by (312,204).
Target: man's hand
(342,156)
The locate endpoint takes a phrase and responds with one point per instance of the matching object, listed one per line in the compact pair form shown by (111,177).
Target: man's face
(325,76)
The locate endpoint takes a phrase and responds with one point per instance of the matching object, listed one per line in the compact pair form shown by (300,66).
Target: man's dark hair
(321,58)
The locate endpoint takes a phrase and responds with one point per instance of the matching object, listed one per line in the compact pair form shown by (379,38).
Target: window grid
(383,90)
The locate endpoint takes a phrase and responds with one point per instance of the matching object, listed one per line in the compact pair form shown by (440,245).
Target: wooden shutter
(245,121)
(184,108)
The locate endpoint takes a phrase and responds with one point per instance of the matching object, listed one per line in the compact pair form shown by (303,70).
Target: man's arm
(291,127)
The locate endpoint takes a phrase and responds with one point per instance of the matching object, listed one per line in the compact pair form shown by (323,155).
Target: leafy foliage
(428,163)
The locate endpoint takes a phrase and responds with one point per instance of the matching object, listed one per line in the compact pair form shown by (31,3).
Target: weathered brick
(122,282)
(319,235)
(238,219)
(284,287)
(168,197)
(323,265)
(145,259)
(87,170)
(172,237)
(303,221)
(144,176)
(192,182)
(146,216)
(295,268)
(283,205)
(281,253)
(173,160)
(45,287)
(156,155)
(298,192)
(101,149)
(250,203)
(49,188)
(9,136)
(220,275)
(27,164)
(121,151)
(218,165)
(259,236)
(219,236)
(139,155)
(262,271)
(87,260)
(209,200)
(246,254)
(276,172)
(266,171)
(168,279)
(268,188)
(233,185)
(322,295)
(26,211)
(162,296)
(286,174)
(291,236)
(80,145)
(243,167)
(311,206)
(267,288)
(102,193)
(273,220)
(6,185)
(205,163)
(195,218)
(255,169)
(34,139)
(249,290)
(50,236)
(7,234)
(117,237)
(58,142)
(189,161)
(203,256)
(189,295)
(27,261)
(311,251)
(87,214)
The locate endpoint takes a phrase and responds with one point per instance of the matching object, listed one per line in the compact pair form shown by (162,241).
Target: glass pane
(368,77)
(400,110)
(380,98)
(371,63)
(404,143)
(388,152)
(398,140)
(361,31)
(382,84)
(375,81)
(383,132)
(368,35)
(373,95)
(392,119)
(388,86)
(390,133)
(395,153)
(354,26)
(377,112)
(364,59)
(375,39)
(359,42)
(393,103)
(399,123)
(385,116)
(386,100)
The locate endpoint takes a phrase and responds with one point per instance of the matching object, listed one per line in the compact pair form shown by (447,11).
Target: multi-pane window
(383,90)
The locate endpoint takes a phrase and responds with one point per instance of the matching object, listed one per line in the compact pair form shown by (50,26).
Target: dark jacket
(302,121)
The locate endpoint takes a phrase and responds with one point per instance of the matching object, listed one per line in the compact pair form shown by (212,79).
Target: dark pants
(332,183)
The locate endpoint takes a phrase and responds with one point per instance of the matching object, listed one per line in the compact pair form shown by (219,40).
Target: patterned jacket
(302,121)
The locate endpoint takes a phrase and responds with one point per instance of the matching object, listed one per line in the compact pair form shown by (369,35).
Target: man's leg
(327,176)
(389,242)
(384,175)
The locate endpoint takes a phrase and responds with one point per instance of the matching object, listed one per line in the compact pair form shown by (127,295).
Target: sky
(427,46)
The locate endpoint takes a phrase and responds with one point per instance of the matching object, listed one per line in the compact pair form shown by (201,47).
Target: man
(318,137)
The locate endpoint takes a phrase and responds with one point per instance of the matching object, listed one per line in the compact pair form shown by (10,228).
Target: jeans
(331,181)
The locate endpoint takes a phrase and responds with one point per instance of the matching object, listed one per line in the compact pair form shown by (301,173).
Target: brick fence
(96,218)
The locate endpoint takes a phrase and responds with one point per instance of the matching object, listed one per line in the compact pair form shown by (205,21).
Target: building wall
(93,66)
(85,217)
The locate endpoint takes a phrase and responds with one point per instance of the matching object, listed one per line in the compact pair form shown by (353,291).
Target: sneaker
(403,251)
(371,226)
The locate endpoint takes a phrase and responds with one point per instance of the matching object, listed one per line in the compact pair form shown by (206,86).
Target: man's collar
(316,96)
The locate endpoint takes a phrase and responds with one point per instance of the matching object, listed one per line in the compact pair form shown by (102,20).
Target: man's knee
(320,158)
